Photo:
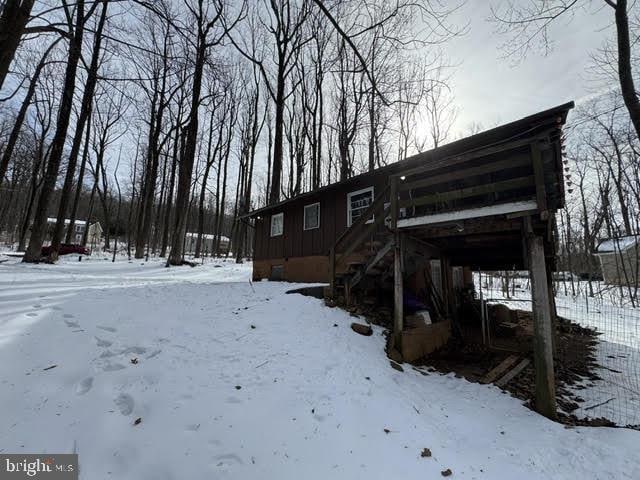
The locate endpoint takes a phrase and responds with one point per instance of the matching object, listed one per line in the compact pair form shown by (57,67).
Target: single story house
(619,259)
(466,197)
(208,242)
(94,236)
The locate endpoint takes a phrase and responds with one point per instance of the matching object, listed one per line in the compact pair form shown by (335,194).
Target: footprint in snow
(125,403)
(68,315)
(103,343)
(84,386)
(194,427)
(36,306)
(32,314)
(135,350)
(113,367)
(71,324)
(228,459)
(153,354)
(107,329)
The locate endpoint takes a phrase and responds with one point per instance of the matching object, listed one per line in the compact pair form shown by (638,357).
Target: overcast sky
(490,90)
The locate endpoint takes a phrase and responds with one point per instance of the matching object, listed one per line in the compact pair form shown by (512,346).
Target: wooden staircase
(365,253)
(363,249)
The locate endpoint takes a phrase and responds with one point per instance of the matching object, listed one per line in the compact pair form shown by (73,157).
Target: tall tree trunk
(85,111)
(76,200)
(169,201)
(13,21)
(625,72)
(203,189)
(159,209)
(278,152)
(34,251)
(186,163)
(17,127)
(92,197)
(33,193)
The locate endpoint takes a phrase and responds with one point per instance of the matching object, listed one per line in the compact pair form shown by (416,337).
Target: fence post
(543,328)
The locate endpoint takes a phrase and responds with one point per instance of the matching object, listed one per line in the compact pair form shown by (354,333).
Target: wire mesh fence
(597,344)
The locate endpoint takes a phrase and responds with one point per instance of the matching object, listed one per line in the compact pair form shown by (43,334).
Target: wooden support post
(332,272)
(398,287)
(552,306)
(538,172)
(347,290)
(543,327)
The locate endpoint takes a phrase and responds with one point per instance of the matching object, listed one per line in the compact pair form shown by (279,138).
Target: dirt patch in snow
(575,361)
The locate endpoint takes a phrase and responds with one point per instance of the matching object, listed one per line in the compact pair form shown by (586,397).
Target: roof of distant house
(208,236)
(66,221)
(619,244)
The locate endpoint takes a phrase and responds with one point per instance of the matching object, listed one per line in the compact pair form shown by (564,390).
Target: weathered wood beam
(513,373)
(470,227)
(372,262)
(468,214)
(458,159)
(398,284)
(435,198)
(463,173)
(362,234)
(332,271)
(543,326)
(538,173)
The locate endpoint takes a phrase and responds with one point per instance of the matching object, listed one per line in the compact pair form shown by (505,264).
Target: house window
(277,224)
(312,216)
(357,204)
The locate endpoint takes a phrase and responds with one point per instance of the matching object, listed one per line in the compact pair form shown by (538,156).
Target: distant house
(94,235)
(208,242)
(619,260)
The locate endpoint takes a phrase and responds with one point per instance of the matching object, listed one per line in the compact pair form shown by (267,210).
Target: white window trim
(281,215)
(304,219)
(357,192)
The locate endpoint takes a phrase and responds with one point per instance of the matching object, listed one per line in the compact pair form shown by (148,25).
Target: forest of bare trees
(159,117)
(162,117)
(602,156)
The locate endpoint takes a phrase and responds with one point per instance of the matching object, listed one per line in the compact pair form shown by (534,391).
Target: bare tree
(531,21)
(33,252)
(13,20)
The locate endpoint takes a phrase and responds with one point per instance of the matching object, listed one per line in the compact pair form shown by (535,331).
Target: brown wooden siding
(297,242)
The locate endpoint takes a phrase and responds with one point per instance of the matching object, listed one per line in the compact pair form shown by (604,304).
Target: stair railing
(354,236)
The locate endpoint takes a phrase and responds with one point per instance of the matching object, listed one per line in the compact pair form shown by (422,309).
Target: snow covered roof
(208,236)
(66,221)
(611,245)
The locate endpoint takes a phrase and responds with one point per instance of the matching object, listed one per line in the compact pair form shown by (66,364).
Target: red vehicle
(67,249)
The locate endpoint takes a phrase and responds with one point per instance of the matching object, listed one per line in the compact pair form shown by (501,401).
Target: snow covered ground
(238,381)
